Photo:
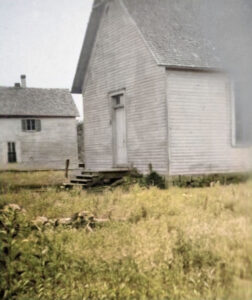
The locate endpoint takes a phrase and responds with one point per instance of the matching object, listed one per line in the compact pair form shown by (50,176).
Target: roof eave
(76,90)
(87,46)
(193,68)
(38,116)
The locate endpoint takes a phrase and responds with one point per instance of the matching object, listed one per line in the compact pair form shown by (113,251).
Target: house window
(242,134)
(12,156)
(31,125)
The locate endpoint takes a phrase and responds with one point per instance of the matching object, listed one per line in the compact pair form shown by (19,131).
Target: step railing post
(67,168)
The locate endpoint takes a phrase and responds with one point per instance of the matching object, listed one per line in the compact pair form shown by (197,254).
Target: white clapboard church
(37,128)
(155,92)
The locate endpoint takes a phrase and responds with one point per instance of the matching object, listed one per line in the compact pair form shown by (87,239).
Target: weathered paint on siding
(121,60)
(47,149)
(200,124)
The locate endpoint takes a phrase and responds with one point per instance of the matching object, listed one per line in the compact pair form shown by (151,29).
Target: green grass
(159,244)
(16,180)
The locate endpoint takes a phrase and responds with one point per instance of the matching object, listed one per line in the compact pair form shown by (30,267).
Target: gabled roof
(172,30)
(36,102)
(86,51)
(176,32)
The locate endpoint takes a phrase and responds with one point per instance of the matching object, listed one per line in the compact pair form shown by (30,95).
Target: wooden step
(90,173)
(84,177)
(81,181)
(122,170)
(71,185)
(113,175)
(83,174)
(89,178)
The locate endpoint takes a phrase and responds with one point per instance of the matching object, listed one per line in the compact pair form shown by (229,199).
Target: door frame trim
(112,122)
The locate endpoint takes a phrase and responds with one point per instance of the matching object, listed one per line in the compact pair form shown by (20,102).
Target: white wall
(200,125)
(198,105)
(47,149)
(121,60)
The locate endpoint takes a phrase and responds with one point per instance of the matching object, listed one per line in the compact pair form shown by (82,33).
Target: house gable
(171,30)
(121,60)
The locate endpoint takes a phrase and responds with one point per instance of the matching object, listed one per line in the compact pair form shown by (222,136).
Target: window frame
(12,152)
(234,127)
(31,125)
(115,97)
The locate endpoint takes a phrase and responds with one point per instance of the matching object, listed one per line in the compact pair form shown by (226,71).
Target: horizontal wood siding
(46,149)
(121,60)
(200,124)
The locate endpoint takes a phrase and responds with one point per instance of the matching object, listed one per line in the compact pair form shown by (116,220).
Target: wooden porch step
(85,177)
(119,170)
(83,174)
(89,178)
(80,181)
(71,185)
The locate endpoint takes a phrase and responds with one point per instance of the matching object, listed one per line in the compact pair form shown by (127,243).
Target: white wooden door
(119,135)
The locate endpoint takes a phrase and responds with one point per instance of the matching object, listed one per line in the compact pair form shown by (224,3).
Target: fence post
(67,167)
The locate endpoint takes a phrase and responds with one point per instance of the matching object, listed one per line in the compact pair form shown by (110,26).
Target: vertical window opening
(12,156)
(242,115)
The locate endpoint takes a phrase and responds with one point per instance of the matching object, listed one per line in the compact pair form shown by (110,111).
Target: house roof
(172,30)
(86,51)
(175,31)
(36,102)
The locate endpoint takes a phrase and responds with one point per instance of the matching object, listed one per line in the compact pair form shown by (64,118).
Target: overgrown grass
(16,180)
(159,244)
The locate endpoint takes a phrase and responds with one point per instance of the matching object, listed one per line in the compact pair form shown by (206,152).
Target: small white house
(37,128)
(155,93)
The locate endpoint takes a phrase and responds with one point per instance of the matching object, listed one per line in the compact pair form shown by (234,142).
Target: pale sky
(42,39)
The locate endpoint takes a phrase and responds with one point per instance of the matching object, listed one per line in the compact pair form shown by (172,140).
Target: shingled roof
(172,30)
(16,101)
(177,32)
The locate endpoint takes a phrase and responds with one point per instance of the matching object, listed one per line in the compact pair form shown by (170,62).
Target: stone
(12,206)
(83,214)
(64,221)
(53,222)
(40,221)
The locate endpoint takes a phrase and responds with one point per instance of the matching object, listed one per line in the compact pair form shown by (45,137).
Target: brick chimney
(23,81)
(17,85)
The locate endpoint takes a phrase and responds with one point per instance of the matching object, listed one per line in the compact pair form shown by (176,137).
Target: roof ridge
(34,88)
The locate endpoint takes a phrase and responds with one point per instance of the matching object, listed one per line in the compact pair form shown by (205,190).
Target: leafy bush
(151,179)
(154,179)
(31,263)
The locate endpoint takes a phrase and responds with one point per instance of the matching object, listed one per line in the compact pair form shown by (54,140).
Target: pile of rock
(79,220)
(82,219)
(14,207)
